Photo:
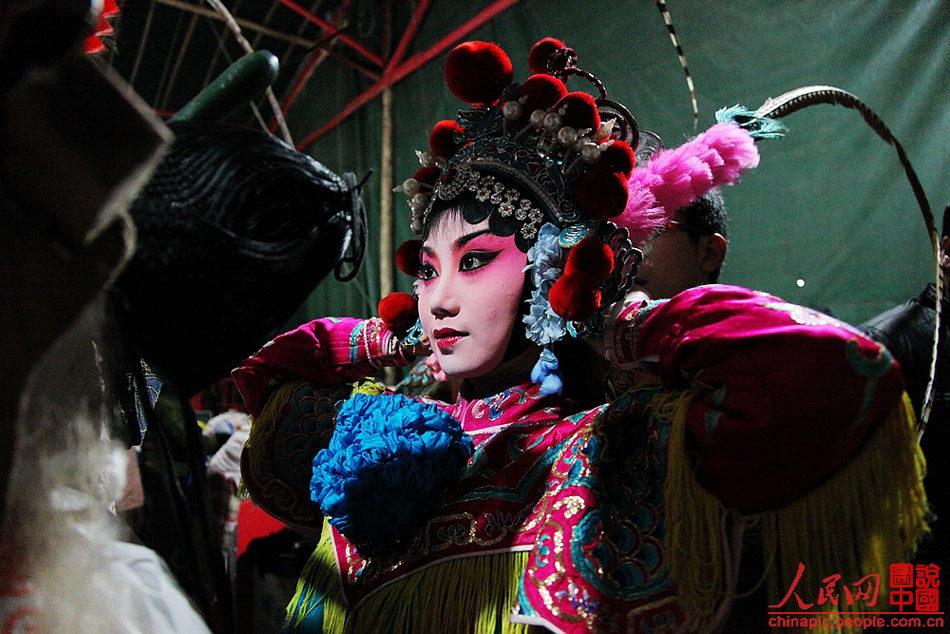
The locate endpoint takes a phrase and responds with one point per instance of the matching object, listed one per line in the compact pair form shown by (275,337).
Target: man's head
(688,252)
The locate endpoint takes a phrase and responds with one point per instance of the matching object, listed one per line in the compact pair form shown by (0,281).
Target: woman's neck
(508,373)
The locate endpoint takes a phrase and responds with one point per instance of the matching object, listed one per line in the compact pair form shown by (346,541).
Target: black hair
(704,217)
(474,211)
(946,222)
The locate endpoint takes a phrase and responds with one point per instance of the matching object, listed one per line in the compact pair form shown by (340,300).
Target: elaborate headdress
(558,162)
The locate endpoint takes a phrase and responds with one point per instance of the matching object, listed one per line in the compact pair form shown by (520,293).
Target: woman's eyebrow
(468,237)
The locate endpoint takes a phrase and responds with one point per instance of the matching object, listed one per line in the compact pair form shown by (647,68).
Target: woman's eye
(476,259)
(426,272)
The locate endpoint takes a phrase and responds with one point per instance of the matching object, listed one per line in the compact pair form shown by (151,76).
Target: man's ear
(713,250)
(945,252)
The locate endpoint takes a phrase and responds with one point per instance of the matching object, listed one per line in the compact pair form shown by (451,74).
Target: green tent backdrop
(828,220)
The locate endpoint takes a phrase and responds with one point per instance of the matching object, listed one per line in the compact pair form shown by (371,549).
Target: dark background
(829,205)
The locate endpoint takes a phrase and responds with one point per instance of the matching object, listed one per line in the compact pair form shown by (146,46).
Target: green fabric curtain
(828,207)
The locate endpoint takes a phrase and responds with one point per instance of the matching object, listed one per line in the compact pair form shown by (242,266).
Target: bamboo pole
(387,279)
(247,24)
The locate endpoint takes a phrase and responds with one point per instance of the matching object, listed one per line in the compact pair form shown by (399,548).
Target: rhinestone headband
(508,201)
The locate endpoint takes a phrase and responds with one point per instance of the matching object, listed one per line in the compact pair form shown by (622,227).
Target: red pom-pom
(407,256)
(478,72)
(591,257)
(602,192)
(399,311)
(542,91)
(541,52)
(428,175)
(578,110)
(442,138)
(575,296)
(619,157)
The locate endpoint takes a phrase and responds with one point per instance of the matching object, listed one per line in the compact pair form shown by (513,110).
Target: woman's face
(469,290)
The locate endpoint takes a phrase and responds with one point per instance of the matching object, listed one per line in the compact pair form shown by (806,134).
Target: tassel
(318,604)
(877,511)
(871,513)
(447,597)
(546,373)
(694,515)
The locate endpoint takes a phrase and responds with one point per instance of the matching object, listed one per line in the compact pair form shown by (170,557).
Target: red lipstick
(445,338)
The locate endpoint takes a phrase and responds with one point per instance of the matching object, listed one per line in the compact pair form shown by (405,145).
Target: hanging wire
(222,48)
(218,6)
(168,61)
(668,20)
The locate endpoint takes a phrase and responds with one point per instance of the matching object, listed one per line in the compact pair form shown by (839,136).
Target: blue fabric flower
(545,373)
(543,325)
(545,253)
(387,466)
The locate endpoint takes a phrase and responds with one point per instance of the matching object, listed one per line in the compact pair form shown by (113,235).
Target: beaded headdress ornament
(563,165)
(554,160)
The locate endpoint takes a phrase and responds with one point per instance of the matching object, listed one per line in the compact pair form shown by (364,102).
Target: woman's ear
(713,250)
(945,252)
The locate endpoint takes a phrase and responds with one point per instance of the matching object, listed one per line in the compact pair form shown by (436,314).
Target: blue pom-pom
(386,469)
(545,373)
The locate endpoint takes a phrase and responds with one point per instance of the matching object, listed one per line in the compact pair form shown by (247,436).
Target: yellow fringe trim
(468,595)
(869,514)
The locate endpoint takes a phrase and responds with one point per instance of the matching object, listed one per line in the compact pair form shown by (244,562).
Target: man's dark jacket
(907,331)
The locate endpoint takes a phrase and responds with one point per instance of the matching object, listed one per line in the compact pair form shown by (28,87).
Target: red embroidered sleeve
(773,384)
(324,351)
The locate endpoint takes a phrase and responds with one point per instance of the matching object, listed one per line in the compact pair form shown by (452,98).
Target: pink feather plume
(676,177)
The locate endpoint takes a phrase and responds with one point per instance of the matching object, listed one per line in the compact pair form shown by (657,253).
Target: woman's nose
(444,302)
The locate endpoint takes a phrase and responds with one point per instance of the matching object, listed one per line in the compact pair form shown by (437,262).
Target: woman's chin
(456,369)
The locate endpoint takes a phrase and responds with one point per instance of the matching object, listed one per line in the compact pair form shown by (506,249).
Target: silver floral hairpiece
(508,201)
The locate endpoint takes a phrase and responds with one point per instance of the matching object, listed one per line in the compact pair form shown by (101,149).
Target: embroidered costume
(565,515)
(624,517)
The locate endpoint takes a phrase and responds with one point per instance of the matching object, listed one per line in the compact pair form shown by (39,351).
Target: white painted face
(470,288)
